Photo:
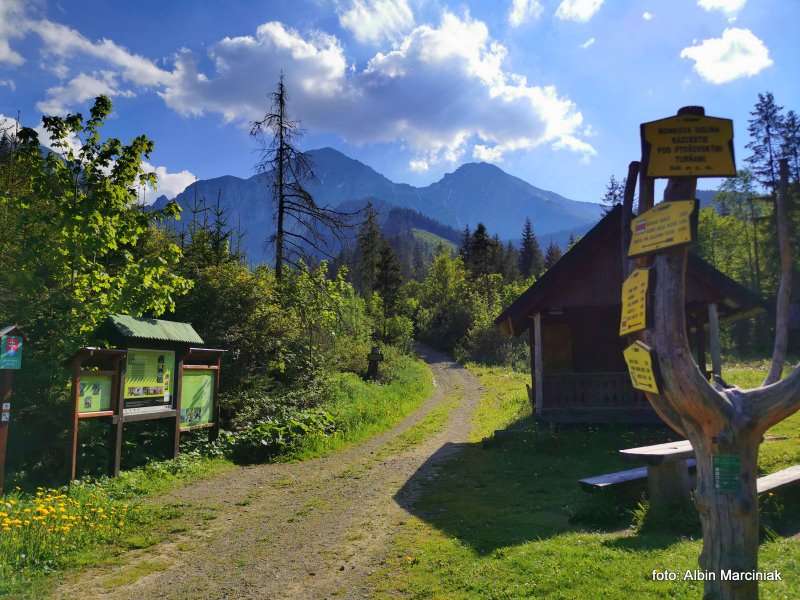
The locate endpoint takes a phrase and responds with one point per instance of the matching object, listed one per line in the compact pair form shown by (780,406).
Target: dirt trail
(313,529)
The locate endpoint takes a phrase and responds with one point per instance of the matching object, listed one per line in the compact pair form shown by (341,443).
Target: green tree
(615,192)
(81,246)
(764,127)
(531,261)
(369,243)
(552,255)
(389,279)
(790,134)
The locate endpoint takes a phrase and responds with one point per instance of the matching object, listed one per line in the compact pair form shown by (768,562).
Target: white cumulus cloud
(372,21)
(738,53)
(729,7)
(84,87)
(62,42)
(169,184)
(441,90)
(522,11)
(578,10)
(647,15)
(12,25)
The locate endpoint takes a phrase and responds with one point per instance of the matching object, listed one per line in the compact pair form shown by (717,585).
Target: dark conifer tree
(389,279)
(552,255)
(531,261)
(765,128)
(369,244)
(790,135)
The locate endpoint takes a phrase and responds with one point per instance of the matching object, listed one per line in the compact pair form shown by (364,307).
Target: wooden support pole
(176,402)
(538,369)
(119,419)
(713,339)
(700,345)
(76,391)
(6,387)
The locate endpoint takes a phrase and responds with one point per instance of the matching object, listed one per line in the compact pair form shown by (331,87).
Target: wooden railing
(591,390)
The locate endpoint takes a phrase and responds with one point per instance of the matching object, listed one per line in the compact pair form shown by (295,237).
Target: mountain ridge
(472,193)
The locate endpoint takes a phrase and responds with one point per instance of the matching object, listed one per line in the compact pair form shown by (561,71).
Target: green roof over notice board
(154,329)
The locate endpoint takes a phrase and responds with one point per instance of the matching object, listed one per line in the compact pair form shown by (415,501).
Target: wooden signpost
(635,291)
(665,225)
(688,145)
(724,424)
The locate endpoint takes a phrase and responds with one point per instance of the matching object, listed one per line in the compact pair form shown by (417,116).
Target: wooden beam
(714,345)
(538,369)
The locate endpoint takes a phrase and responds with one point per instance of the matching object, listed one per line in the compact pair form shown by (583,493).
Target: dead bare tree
(301,224)
(719,420)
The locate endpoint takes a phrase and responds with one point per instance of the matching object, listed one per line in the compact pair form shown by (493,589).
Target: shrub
(277,435)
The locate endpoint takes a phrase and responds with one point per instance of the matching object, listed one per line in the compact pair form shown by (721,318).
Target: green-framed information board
(197,397)
(94,394)
(148,374)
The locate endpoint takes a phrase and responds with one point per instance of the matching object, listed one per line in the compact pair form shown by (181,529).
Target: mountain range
(474,193)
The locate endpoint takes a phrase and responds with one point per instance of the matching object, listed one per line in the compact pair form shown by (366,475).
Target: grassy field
(46,532)
(507,519)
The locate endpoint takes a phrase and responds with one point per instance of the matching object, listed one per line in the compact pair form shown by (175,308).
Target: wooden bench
(773,481)
(764,484)
(601,482)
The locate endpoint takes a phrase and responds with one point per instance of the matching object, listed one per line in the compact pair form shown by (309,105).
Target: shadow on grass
(522,485)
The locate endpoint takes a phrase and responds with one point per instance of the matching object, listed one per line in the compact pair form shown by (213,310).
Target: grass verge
(507,519)
(362,409)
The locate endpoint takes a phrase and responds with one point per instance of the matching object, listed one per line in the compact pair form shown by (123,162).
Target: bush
(277,435)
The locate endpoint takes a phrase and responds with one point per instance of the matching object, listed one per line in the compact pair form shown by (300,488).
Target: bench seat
(778,479)
(601,482)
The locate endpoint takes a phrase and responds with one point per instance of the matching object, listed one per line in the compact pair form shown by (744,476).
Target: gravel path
(312,529)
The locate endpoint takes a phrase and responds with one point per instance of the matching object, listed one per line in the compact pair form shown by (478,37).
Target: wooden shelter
(572,316)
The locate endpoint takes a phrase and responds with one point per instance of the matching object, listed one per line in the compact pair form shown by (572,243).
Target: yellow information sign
(663,226)
(634,302)
(640,366)
(689,146)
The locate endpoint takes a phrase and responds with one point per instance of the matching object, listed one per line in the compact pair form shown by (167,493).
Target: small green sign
(11,352)
(197,398)
(94,394)
(727,470)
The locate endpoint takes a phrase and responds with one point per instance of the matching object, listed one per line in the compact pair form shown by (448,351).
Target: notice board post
(11,343)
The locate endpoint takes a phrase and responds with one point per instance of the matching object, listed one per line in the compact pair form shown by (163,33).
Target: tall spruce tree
(389,278)
(552,255)
(481,252)
(615,191)
(765,128)
(368,254)
(790,144)
(531,261)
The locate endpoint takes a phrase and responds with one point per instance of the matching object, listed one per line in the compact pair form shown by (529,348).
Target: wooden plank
(779,479)
(599,482)
(713,335)
(129,417)
(103,413)
(622,477)
(538,368)
(660,453)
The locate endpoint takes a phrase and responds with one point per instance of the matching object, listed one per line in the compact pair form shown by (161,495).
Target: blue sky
(552,91)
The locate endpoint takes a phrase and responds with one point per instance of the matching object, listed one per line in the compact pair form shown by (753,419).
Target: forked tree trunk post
(725,426)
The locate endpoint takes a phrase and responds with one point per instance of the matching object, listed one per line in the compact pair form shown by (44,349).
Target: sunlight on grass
(507,519)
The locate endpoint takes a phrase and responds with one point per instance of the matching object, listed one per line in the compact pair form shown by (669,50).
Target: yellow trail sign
(663,226)
(688,146)
(634,302)
(640,360)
